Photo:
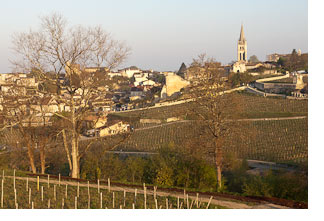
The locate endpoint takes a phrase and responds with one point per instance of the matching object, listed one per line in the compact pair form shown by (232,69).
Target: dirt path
(220,202)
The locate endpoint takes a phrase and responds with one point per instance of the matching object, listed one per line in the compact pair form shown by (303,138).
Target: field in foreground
(64,196)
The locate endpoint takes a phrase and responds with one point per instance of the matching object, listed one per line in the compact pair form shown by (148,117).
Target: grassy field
(56,198)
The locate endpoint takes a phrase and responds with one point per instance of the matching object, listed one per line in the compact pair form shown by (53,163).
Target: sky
(164,33)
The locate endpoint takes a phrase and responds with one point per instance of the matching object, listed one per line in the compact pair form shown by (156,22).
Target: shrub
(164,177)
(287,185)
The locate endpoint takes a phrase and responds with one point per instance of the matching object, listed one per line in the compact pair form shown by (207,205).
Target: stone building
(173,84)
(129,72)
(275,57)
(281,87)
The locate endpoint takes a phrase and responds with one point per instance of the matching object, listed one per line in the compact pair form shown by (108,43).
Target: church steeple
(242,38)
(242,47)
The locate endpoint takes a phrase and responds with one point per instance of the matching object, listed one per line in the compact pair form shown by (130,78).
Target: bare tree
(16,113)
(24,125)
(214,109)
(56,48)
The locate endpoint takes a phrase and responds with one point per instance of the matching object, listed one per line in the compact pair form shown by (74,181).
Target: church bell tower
(242,47)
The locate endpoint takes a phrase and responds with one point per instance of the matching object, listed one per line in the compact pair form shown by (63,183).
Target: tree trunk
(219,177)
(42,156)
(67,150)
(218,157)
(75,149)
(31,156)
(75,162)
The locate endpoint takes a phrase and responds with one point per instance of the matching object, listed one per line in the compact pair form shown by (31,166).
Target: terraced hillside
(254,106)
(279,141)
(284,141)
(251,106)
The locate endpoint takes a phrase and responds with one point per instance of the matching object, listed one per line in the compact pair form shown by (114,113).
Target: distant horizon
(164,34)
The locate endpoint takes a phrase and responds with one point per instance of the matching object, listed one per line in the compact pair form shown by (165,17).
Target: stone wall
(150,121)
(273,78)
(171,119)
(280,87)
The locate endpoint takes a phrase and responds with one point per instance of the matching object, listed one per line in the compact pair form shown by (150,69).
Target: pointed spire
(242,38)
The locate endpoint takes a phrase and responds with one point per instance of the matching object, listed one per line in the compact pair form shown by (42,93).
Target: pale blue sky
(164,33)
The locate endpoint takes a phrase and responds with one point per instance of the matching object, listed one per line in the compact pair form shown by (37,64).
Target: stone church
(240,65)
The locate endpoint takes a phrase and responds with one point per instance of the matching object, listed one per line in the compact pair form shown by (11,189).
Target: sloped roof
(182,69)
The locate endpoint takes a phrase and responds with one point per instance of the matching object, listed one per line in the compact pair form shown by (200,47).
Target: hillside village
(89,120)
(132,88)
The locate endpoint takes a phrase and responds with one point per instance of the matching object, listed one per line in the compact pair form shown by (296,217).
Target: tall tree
(56,48)
(293,61)
(214,109)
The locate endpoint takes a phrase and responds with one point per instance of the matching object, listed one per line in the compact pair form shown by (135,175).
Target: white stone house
(129,72)
(148,83)
(116,128)
(140,78)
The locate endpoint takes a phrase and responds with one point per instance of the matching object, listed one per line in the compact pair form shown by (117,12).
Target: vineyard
(18,193)
(282,141)
(251,106)
(257,107)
